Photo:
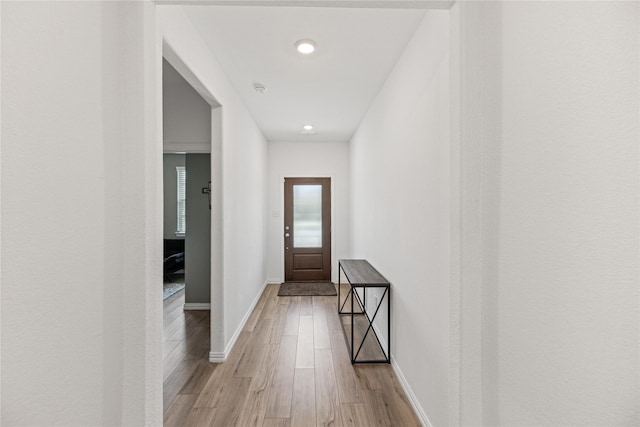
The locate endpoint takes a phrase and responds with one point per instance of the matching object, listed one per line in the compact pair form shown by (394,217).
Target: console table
(364,343)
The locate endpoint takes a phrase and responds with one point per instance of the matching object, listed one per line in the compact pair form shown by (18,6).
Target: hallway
(490,172)
(289,367)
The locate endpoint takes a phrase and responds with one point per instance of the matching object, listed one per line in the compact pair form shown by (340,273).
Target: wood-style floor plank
(356,415)
(346,382)
(367,376)
(199,417)
(179,410)
(210,391)
(303,406)
(177,379)
(289,367)
(327,403)
(278,321)
(250,358)
(331,314)
(234,393)
(281,391)
(255,407)
(196,382)
(193,343)
(276,422)
(395,400)
(304,353)
(180,328)
(257,311)
(292,320)
(306,308)
(320,328)
(168,347)
(174,311)
(378,415)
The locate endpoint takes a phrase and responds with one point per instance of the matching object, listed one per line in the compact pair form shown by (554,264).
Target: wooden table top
(360,273)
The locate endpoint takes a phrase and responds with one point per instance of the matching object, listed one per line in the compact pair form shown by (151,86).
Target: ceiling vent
(259,88)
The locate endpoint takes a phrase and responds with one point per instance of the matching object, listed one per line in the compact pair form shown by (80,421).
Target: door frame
(332,213)
(214,148)
(327,227)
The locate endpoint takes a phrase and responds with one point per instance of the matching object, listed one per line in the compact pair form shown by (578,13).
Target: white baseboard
(424,420)
(217,357)
(221,357)
(196,306)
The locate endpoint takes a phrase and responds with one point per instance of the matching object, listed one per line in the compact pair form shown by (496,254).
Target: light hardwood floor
(289,367)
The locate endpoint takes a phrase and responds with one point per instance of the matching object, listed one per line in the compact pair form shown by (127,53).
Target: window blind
(181,223)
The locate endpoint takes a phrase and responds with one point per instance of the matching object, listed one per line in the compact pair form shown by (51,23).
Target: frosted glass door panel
(307,216)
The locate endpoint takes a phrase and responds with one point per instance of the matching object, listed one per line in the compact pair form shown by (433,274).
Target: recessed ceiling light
(308,129)
(305,46)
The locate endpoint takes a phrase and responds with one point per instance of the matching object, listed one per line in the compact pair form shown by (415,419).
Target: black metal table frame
(353,292)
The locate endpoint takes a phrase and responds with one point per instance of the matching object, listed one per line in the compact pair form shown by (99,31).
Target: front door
(307,229)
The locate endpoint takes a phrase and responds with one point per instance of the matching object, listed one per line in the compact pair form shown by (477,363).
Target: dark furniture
(173,258)
(363,341)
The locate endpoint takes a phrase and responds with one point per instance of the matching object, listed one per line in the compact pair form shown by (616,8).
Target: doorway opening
(187,176)
(191,128)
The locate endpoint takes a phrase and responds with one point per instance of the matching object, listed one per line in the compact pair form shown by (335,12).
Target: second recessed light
(305,46)
(308,129)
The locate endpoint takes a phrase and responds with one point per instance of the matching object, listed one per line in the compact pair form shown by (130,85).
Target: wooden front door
(307,229)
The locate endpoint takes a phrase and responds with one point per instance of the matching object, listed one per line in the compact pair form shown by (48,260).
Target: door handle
(286,235)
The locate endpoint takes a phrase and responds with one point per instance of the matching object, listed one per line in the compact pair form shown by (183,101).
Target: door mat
(289,289)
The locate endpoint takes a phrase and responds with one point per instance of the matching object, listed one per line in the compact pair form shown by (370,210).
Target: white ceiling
(331,89)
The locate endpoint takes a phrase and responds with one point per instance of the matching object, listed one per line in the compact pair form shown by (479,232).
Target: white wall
(556,131)
(197,244)
(243,160)
(307,159)
(567,240)
(186,115)
(400,208)
(81,305)
(475,83)
(0,217)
